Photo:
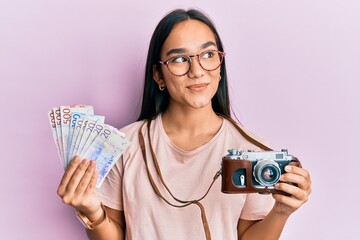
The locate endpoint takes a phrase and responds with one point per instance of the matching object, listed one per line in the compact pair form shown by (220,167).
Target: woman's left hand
(299,193)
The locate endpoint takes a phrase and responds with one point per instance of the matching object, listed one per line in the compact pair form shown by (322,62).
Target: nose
(196,70)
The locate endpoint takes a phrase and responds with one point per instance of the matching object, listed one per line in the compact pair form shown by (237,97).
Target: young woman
(163,187)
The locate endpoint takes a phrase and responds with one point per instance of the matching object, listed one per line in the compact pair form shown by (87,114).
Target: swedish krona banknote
(77,131)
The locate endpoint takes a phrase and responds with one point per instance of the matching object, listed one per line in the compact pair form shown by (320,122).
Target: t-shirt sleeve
(257,206)
(110,192)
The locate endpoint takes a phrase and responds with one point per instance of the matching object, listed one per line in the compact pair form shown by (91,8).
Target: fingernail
(85,162)
(276,185)
(288,168)
(77,159)
(92,163)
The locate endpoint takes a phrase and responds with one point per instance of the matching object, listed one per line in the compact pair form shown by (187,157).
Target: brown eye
(208,54)
(179,59)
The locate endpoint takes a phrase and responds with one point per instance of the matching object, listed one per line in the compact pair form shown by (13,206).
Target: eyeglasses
(180,65)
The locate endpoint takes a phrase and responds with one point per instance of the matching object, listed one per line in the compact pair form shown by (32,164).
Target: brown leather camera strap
(185,203)
(245,135)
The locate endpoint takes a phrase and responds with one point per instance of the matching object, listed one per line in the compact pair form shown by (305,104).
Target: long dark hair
(155,101)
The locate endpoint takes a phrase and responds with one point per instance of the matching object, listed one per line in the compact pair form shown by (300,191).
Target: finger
(303,183)
(92,183)
(77,176)
(294,191)
(67,175)
(85,180)
(299,180)
(297,170)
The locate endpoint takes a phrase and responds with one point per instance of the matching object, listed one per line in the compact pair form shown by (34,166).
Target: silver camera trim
(260,156)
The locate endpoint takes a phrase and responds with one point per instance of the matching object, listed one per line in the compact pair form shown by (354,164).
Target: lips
(198,87)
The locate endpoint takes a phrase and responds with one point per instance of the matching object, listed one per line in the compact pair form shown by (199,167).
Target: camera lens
(267,172)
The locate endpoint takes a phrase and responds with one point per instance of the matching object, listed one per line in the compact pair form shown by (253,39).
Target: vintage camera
(254,171)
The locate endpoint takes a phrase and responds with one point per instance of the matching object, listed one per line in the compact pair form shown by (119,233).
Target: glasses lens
(210,60)
(179,65)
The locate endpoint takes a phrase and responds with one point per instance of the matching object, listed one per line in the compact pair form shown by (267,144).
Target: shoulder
(131,133)
(248,138)
(137,134)
(132,127)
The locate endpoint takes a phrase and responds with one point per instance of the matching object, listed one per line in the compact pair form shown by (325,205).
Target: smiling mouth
(198,87)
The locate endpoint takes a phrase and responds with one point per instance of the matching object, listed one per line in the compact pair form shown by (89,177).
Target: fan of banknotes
(78,132)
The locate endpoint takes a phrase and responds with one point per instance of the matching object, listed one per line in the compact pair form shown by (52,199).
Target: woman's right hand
(77,186)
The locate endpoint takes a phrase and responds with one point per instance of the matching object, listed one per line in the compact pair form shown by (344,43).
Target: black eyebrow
(208,44)
(183,50)
(176,50)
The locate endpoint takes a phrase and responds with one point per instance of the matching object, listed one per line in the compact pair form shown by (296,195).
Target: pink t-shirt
(188,175)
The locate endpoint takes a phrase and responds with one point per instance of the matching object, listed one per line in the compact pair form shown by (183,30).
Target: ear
(158,76)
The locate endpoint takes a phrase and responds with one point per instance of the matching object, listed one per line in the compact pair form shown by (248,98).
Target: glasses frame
(189,57)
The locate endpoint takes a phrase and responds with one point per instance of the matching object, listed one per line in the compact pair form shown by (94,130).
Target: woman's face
(196,88)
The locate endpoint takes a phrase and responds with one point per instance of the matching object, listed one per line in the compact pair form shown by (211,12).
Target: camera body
(254,171)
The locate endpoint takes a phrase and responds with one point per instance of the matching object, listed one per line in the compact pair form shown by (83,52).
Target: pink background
(294,75)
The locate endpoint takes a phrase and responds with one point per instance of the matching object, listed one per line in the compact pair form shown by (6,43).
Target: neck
(190,119)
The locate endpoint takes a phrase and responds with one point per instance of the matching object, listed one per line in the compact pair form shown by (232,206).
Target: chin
(200,104)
